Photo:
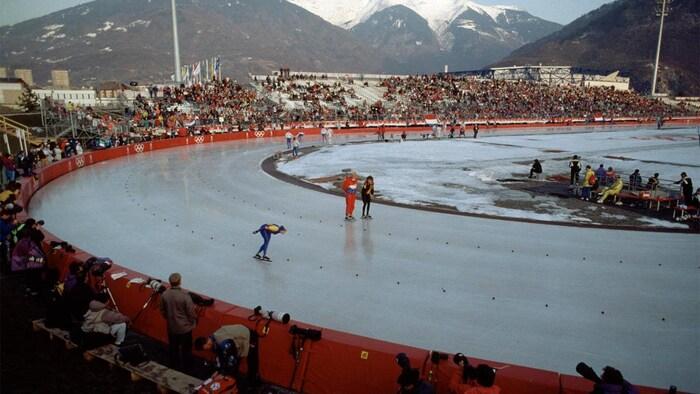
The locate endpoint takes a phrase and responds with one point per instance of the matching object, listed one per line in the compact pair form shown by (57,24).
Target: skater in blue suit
(266,231)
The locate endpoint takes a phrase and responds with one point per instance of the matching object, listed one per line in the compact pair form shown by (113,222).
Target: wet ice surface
(517,293)
(465,173)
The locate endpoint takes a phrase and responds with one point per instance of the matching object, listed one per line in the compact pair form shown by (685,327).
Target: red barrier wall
(339,362)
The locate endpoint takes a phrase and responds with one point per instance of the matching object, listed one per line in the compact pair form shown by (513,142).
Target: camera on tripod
(306,333)
(272,315)
(97,266)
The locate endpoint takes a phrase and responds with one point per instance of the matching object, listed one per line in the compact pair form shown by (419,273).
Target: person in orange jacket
(350,190)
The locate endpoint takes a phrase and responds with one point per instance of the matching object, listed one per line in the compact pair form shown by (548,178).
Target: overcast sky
(562,11)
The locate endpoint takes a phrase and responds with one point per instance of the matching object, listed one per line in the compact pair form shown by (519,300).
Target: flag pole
(178,75)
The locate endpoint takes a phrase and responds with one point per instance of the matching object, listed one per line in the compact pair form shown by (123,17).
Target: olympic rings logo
(199,139)
(79,162)
(259,134)
(139,148)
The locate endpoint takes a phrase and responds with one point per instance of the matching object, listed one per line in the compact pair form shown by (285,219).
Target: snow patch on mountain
(53,27)
(54,61)
(139,22)
(107,25)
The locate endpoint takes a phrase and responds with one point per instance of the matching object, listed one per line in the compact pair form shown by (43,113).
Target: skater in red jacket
(350,190)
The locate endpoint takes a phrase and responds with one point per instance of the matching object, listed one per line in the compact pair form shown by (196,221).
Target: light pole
(662,13)
(176,44)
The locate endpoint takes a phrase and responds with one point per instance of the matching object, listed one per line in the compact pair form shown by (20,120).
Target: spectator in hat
(178,309)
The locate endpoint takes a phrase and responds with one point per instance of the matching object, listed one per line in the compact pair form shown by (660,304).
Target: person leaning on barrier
(653,182)
(411,383)
(472,380)
(230,344)
(178,309)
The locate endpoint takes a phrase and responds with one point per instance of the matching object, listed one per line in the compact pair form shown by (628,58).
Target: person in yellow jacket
(589,180)
(612,190)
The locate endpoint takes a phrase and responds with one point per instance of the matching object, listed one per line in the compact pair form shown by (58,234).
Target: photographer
(29,256)
(100,319)
(177,308)
(610,382)
(411,383)
(409,380)
(472,380)
(230,344)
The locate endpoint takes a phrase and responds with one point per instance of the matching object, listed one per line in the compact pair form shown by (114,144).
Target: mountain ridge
(622,36)
(131,39)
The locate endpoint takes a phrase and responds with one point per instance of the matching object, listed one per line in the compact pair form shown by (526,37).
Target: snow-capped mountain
(465,34)
(129,39)
(438,13)
(425,35)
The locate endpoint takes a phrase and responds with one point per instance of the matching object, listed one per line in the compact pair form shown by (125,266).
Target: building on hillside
(69,97)
(60,79)
(611,80)
(551,75)
(25,75)
(10,92)
(111,89)
(3,72)
(113,93)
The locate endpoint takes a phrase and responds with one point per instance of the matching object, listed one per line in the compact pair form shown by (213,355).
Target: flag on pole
(197,72)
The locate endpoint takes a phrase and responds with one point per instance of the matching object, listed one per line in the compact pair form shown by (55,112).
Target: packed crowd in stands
(451,99)
(469,98)
(283,102)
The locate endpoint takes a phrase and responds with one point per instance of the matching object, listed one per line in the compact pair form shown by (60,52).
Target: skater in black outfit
(575,166)
(367,196)
(476,130)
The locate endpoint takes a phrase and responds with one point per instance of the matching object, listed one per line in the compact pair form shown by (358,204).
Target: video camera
(97,266)
(271,315)
(159,287)
(587,372)
(306,333)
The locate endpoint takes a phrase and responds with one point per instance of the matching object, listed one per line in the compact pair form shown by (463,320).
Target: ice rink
(539,295)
